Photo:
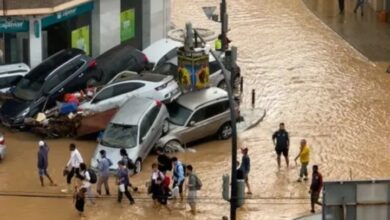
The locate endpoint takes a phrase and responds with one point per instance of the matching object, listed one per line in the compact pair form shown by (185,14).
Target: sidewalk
(365,33)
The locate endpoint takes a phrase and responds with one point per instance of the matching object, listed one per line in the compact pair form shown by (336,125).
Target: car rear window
(40,72)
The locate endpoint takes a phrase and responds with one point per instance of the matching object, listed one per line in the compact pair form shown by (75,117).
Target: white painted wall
(105,25)
(160,19)
(35,50)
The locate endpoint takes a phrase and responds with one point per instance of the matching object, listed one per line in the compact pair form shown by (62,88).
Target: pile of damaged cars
(134,103)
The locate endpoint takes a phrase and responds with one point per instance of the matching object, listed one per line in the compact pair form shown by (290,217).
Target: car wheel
(225,132)
(138,166)
(165,128)
(222,85)
(172,146)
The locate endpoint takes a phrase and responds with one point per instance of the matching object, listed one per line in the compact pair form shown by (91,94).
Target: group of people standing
(160,181)
(159,185)
(281,141)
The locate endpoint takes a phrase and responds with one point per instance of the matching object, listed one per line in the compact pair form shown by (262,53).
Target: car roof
(193,100)
(158,49)
(144,76)
(14,68)
(131,112)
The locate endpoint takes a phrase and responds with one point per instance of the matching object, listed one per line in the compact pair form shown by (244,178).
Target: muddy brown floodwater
(304,75)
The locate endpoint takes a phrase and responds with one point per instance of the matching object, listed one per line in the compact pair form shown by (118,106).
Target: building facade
(31,34)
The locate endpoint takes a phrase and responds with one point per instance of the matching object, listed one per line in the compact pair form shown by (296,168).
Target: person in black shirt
(164,162)
(240,173)
(282,143)
(315,188)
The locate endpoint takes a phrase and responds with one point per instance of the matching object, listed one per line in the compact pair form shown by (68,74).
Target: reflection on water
(304,75)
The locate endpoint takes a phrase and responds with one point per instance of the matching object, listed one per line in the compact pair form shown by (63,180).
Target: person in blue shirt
(43,162)
(123,183)
(246,167)
(359,4)
(104,171)
(178,175)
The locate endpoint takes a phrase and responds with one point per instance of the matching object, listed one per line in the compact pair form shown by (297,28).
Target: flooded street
(304,75)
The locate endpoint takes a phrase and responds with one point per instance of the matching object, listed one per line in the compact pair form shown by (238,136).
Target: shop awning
(66,14)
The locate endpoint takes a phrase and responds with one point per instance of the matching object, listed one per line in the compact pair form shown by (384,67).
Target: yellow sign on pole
(193,69)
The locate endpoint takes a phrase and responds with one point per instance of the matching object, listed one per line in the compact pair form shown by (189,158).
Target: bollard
(241,84)
(240,192)
(253,98)
(226,187)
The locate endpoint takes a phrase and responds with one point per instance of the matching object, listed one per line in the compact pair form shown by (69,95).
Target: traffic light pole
(233,196)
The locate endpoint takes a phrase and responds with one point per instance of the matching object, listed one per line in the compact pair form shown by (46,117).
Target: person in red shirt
(315,188)
(166,191)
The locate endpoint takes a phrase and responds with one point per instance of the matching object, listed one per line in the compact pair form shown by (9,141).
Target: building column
(96,29)
(35,44)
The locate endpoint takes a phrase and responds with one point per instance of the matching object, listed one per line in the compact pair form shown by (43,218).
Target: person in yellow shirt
(304,157)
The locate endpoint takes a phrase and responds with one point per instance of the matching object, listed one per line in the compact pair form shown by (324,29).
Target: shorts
(283,151)
(314,196)
(191,197)
(180,185)
(42,172)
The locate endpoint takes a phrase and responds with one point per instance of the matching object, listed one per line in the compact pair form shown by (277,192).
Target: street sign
(66,14)
(11,26)
(193,69)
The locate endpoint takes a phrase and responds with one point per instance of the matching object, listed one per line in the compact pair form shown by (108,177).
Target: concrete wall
(35,50)
(105,25)
(157,14)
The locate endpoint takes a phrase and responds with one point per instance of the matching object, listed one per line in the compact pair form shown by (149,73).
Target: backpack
(109,162)
(92,175)
(198,184)
(176,174)
(130,165)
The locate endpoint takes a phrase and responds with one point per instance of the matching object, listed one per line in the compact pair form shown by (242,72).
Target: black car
(115,60)
(63,72)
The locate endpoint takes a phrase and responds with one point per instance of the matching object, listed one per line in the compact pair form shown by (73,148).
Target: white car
(11,74)
(136,127)
(163,54)
(2,147)
(127,84)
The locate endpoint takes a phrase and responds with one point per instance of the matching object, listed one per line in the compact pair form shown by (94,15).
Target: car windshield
(120,136)
(178,114)
(28,89)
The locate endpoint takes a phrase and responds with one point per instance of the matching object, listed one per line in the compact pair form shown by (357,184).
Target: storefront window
(131,22)
(70,30)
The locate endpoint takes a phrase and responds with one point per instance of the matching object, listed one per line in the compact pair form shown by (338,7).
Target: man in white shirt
(73,166)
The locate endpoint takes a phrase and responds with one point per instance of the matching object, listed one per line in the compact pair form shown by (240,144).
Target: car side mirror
(192,123)
(143,139)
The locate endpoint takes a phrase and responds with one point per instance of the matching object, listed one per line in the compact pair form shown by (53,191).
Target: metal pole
(223,31)
(233,198)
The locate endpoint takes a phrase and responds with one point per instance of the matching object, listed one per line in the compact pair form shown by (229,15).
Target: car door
(149,132)
(205,121)
(100,101)
(195,126)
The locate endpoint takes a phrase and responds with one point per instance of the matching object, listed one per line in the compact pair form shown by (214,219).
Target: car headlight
(24,112)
